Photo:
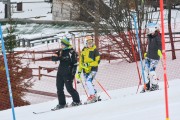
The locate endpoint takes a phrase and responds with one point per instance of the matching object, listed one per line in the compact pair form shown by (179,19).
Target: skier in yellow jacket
(88,63)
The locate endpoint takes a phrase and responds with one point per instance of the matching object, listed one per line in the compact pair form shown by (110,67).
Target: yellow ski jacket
(90,56)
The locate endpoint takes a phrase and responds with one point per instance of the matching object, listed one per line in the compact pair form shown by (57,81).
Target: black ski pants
(62,80)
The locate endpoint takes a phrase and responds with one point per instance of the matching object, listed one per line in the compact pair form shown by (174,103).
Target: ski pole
(139,49)
(103,88)
(82,86)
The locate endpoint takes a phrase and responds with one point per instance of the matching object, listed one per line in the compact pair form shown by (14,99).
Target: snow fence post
(7,73)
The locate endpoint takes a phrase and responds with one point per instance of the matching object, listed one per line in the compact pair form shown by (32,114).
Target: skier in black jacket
(66,72)
(152,56)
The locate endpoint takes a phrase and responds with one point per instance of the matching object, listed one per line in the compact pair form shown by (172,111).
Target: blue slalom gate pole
(7,74)
(139,48)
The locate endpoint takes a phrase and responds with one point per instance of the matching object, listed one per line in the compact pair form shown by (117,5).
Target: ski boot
(143,90)
(154,87)
(75,104)
(147,87)
(91,99)
(59,107)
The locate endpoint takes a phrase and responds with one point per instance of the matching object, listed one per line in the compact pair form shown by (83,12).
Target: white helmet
(152,27)
(88,40)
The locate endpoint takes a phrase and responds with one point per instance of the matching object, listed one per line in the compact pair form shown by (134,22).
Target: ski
(68,106)
(150,90)
(48,110)
(42,112)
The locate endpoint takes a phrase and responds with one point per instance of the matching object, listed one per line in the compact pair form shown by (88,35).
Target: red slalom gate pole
(164,58)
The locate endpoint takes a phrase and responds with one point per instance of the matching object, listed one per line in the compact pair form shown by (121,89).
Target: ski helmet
(65,41)
(152,27)
(88,41)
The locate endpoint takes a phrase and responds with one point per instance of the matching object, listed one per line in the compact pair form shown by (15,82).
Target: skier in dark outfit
(66,72)
(152,56)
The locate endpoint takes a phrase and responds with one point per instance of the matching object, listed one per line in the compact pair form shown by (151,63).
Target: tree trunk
(170,30)
(5,9)
(97,19)
(9,9)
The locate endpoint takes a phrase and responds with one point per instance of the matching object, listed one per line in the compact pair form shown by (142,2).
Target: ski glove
(145,55)
(160,53)
(55,58)
(78,75)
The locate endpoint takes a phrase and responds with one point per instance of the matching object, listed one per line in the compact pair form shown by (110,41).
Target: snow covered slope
(123,106)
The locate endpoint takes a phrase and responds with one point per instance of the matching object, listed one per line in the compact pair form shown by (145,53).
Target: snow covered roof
(33,30)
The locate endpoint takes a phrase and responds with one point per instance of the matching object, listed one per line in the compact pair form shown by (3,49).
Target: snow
(124,105)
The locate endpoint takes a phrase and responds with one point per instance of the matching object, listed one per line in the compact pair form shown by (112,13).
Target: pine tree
(20,75)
